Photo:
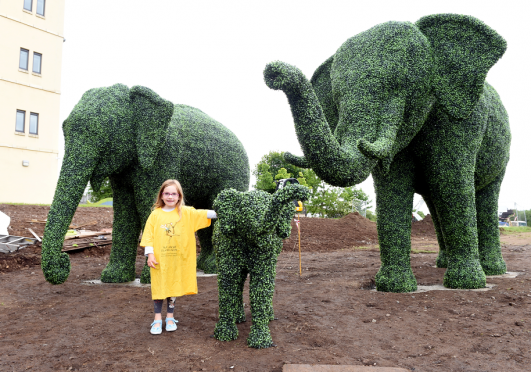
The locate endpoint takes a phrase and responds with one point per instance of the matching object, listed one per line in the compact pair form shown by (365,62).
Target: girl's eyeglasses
(170,194)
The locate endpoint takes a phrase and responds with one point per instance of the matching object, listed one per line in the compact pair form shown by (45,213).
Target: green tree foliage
(336,202)
(270,167)
(325,201)
(104,192)
(370,215)
(265,179)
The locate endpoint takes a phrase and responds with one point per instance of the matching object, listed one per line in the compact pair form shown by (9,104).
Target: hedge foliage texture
(409,103)
(138,140)
(247,240)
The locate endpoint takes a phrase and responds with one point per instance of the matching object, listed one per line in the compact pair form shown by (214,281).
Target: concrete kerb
(440,287)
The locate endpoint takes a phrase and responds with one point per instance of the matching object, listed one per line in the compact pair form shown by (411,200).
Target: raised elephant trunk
(336,164)
(75,174)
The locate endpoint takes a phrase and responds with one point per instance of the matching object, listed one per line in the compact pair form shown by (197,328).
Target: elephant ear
(227,206)
(151,115)
(463,51)
(322,86)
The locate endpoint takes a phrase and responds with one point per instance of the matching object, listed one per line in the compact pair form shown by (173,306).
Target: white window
(28,5)
(40,7)
(37,62)
(21,118)
(24,56)
(34,123)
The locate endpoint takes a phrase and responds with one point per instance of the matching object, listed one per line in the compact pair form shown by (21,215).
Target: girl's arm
(151,261)
(211,214)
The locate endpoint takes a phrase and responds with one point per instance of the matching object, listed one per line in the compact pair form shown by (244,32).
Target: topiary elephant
(138,140)
(247,240)
(409,103)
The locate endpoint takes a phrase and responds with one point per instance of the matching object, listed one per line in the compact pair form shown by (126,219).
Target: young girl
(169,243)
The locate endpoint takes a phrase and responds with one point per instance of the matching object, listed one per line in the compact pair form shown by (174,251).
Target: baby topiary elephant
(247,240)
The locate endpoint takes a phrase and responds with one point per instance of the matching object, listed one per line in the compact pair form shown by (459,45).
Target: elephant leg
(394,203)
(261,290)
(239,310)
(126,230)
(489,247)
(206,260)
(442,258)
(230,287)
(454,200)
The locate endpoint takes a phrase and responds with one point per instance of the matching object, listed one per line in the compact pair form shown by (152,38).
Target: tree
(105,191)
(325,200)
(273,166)
(335,202)
(370,215)
(264,178)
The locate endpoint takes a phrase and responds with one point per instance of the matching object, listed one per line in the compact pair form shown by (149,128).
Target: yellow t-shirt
(173,241)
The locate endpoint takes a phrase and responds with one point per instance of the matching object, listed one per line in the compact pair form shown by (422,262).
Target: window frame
(43,8)
(31,5)
(40,63)
(34,114)
(20,59)
(23,121)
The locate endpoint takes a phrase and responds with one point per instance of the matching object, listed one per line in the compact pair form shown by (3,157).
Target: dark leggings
(170,302)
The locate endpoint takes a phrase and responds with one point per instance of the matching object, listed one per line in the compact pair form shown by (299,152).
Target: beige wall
(32,93)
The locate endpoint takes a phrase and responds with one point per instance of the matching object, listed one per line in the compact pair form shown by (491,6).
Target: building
(31,47)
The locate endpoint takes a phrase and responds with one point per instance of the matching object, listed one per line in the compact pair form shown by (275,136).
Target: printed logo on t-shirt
(170,229)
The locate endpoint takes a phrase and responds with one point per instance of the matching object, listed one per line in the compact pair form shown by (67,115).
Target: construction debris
(74,234)
(34,234)
(11,243)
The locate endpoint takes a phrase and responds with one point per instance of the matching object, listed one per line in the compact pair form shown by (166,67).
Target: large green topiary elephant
(247,240)
(409,103)
(138,140)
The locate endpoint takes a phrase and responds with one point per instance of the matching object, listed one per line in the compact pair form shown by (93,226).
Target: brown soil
(328,315)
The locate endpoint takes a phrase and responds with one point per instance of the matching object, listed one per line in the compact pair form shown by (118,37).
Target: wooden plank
(35,235)
(83,224)
(71,248)
(90,235)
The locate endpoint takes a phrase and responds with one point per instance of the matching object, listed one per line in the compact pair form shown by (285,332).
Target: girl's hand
(151,262)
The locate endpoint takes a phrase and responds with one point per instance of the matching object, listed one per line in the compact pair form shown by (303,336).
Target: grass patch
(98,203)
(95,205)
(509,230)
(422,251)
(366,247)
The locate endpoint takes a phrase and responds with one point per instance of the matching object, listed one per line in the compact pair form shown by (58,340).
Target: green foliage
(265,179)
(104,192)
(138,140)
(270,168)
(511,230)
(324,201)
(409,103)
(282,174)
(336,202)
(247,239)
(370,215)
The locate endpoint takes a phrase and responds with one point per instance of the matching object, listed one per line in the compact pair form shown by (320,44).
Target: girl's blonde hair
(159,203)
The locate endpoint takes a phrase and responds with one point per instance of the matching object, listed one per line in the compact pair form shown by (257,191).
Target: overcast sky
(211,55)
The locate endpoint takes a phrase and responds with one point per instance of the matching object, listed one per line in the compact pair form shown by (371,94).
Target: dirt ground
(329,315)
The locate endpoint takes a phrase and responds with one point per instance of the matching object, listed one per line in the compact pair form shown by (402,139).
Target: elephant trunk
(336,164)
(282,209)
(75,174)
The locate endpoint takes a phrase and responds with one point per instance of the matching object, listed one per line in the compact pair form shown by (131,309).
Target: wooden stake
(35,235)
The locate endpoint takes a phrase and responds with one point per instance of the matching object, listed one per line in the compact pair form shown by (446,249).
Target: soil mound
(424,228)
(326,234)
